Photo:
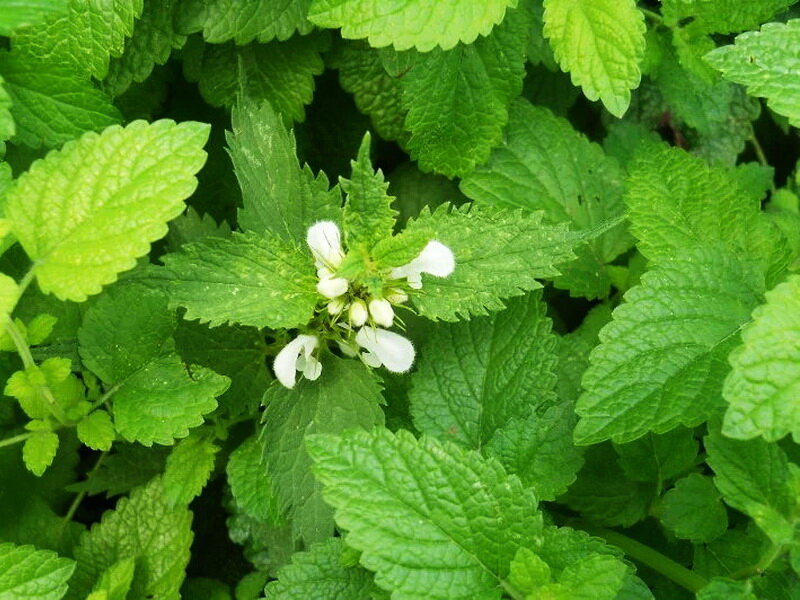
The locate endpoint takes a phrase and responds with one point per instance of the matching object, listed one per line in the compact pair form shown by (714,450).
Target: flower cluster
(355,319)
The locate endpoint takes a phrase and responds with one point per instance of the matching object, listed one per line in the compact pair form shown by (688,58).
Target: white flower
(381,311)
(435,259)
(335,306)
(296,356)
(358,313)
(332,287)
(325,242)
(386,348)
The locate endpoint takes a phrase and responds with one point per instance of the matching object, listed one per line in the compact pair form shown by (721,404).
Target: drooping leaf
(26,572)
(88,211)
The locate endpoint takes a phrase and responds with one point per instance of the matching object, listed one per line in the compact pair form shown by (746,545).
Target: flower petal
(435,259)
(381,311)
(332,287)
(325,242)
(285,363)
(395,352)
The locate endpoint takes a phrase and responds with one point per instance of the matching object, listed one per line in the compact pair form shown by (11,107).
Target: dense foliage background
(604,401)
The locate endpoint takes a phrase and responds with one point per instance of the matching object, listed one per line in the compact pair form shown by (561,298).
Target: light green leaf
(320,574)
(457,100)
(685,316)
(281,73)
(26,572)
(473,377)
(18,13)
(9,294)
(279,197)
(431,519)
(112,193)
(50,104)
(346,396)
(499,254)
(96,430)
(600,43)
(7,126)
(189,467)
(762,61)
(756,478)
(528,572)
(584,190)
(250,485)
(410,23)
(248,279)
(722,16)
(245,20)
(692,510)
(763,387)
(39,451)
(156,397)
(116,581)
(598,577)
(727,589)
(142,527)
(368,216)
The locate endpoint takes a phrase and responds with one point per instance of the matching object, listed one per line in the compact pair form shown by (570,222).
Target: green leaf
(96,430)
(7,126)
(252,488)
(760,60)
(145,528)
(473,377)
(18,13)
(368,216)
(279,197)
(320,574)
(685,316)
(573,352)
(658,457)
(727,589)
(583,191)
(431,519)
(762,388)
(26,572)
(756,478)
(409,23)
(692,510)
(128,466)
(39,451)
(281,73)
(249,279)
(457,100)
(50,104)
(113,194)
(189,467)
(499,254)
(346,396)
(156,397)
(600,43)
(594,578)
(9,295)
(245,20)
(83,39)
(116,581)
(722,16)
(528,572)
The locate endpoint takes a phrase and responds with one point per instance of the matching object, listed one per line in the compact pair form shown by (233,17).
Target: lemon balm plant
(360,299)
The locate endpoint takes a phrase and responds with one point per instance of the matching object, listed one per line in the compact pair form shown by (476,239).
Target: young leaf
(96,430)
(279,197)
(319,573)
(346,396)
(262,281)
(760,60)
(583,191)
(26,572)
(600,43)
(762,388)
(188,469)
(474,377)
(499,254)
(112,195)
(693,511)
(431,519)
(39,451)
(252,488)
(143,527)
(407,24)
(685,317)
(116,581)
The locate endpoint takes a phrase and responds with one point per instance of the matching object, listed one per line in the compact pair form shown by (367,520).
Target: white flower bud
(335,306)
(358,313)
(332,287)
(325,242)
(397,296)
(381,311)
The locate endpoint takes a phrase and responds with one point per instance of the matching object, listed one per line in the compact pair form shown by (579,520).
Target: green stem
(649,557)
(762,158)
(654,16)
(26,280)
(105,397)
(762,565)
(76,502)
(15,440)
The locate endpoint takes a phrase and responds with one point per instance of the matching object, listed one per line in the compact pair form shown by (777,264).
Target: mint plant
(360,299)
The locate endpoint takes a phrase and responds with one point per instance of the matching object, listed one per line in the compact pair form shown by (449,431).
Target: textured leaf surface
(430,519)
(7,127)
(246,20)
(765,61)
(39,451)
(320,575)
(499,254)
(544,164)
(658,458)
(143,527)
(247,279)
(600,43)
(474,377)
(96,430)
(722,16)
(250,485)
(189,466)
(410,23)
(50,105)
(26,572)
(278,195)
(662,360)
(346,396)
(457,100)
(693,510)
(17,13)
(89,210)
(763,387)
